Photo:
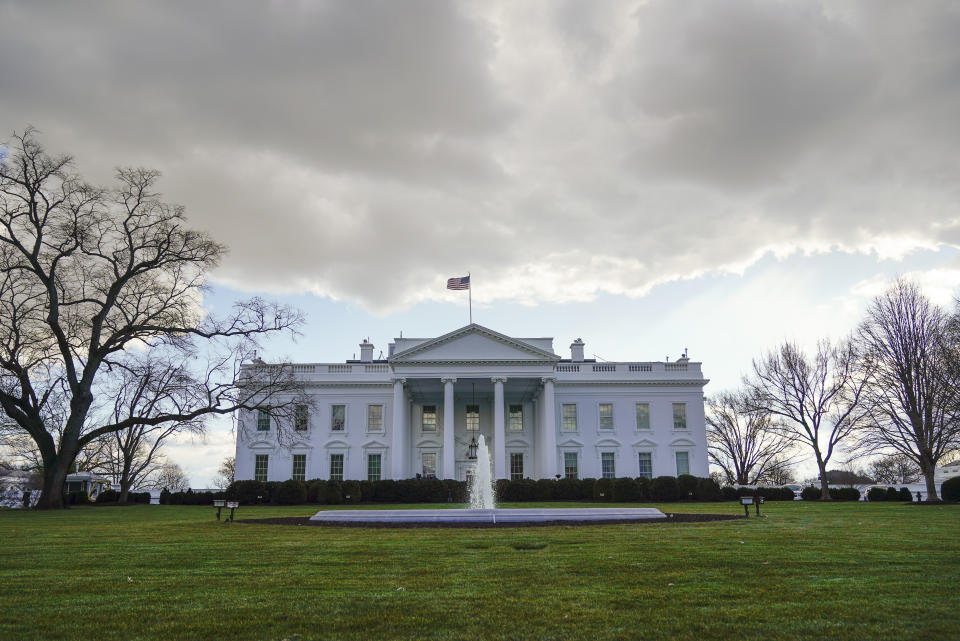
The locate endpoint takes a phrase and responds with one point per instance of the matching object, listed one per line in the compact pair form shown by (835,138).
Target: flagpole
(470,298)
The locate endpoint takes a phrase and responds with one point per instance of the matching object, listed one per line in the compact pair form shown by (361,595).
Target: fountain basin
(494,516)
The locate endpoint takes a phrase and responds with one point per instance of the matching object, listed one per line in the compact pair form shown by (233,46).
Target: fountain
(483,510)
(481,485)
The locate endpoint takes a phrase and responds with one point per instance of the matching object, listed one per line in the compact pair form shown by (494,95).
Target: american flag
(458,283)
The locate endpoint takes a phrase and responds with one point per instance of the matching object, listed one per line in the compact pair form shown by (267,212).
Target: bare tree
(778,472)
(894,469)
(86,273)
(913,393)
(171,478)
(143,386)
(816,400)
(225,474)
(741,440)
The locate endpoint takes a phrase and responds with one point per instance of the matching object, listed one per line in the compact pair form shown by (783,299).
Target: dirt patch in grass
(671,518)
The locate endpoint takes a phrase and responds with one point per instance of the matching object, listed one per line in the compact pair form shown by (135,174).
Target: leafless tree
(913,393)
(225,474)
(741,439)
(816,401)
(86,275)
(894,469)
(144,386)
(778,472)
(171,478)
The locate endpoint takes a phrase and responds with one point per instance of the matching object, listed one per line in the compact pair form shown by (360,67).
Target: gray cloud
(369,150)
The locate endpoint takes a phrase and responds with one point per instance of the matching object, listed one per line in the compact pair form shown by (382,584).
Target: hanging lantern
(472,449)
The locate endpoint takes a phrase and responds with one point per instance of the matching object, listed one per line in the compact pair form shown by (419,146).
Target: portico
(441,416)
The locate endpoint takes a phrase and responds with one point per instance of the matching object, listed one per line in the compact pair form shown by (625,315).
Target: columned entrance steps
(533,515)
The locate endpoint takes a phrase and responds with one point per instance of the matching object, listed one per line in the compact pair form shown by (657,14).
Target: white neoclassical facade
(421,410)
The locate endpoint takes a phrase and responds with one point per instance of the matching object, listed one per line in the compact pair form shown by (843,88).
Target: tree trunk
(54,475)
(929,469)
(824,485)
(124,491)
(124,481)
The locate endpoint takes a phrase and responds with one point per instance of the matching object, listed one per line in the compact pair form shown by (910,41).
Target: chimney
(366,351)
(576,351)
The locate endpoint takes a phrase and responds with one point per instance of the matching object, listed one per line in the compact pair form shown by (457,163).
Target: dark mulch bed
(671,518)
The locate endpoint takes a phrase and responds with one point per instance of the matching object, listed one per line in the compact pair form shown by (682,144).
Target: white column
(549,430)
(499,431)
(399,447)
(448,470)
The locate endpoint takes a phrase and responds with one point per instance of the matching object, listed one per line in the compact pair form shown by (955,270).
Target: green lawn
(802,571)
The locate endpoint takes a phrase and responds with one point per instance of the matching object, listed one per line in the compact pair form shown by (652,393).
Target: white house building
(421,410)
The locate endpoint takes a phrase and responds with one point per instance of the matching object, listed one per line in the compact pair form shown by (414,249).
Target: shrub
(603,490)
(950,489)
(332,493)
(877,494)
(351,492)
(893,494)
(707,490)
(836,493)
(108,496)
(384,491)
(164,496)
(456,490)
(687,486)
(248,492)
(291,493)
(904,494)
(519,490)
(568,490)
(729,493)
(625,490)
(545,489)
(77,498)
(665,488)
(643,488)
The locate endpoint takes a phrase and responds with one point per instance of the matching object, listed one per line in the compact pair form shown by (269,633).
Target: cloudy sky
(647,175)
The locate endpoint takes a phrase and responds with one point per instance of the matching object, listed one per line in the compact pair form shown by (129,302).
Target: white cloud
(557,151)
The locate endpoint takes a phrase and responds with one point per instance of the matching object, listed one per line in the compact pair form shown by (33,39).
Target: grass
(802,571)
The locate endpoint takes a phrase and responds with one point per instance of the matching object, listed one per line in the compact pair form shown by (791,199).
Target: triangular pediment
(474,343)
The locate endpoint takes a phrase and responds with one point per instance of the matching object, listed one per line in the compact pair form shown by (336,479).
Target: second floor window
(515,421)
(428,422)
(263,420)
(300,417)
(643,416)
(679,416)
(375,418)
(473,418)
(606,416)
(569,418)
(338,417)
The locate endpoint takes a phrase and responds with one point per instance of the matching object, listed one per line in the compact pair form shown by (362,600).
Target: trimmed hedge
(836,493)
(888,494)
(190,497)
(618,490)
(324,492)
(950,489)
(112,496)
